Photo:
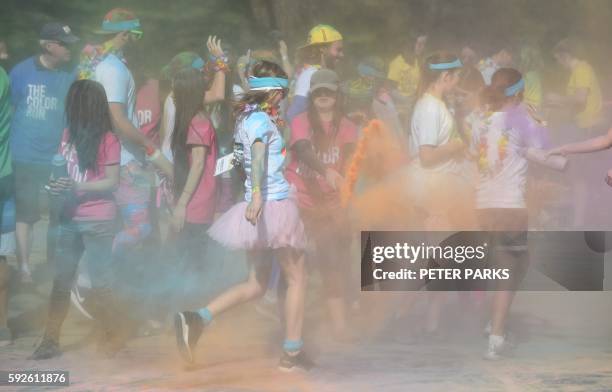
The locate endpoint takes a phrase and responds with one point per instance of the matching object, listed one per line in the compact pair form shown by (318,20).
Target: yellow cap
(323,34)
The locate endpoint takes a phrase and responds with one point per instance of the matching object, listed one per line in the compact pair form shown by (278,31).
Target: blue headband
(197,63)
(445,66)
(124,25)
(515,88)
(268,83)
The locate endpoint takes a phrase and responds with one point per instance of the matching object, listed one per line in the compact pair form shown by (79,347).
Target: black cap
(58,32)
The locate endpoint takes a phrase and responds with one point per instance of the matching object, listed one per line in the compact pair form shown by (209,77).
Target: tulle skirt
(279,226)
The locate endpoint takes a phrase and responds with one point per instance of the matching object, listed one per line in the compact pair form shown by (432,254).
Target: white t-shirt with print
(432,125)
(119,85)
(499,141)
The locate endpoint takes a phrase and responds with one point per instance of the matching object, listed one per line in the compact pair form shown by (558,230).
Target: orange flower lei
(374,129)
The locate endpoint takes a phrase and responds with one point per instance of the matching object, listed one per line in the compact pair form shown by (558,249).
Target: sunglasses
(136,34)
(324,92)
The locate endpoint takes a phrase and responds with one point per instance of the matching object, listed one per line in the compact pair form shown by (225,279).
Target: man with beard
(106,64)
(323,49)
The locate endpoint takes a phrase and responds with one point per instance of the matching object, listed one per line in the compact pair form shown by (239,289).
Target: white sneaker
(496,347)
(26,274)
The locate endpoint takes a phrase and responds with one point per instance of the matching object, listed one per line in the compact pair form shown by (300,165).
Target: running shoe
(496,348)
(188,327)
(300,361)
(25,273)
(48,348)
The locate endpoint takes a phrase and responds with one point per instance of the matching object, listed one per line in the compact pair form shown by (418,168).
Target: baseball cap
(118,20)
(180,62)
(55,31)
(322,34)
(324,78)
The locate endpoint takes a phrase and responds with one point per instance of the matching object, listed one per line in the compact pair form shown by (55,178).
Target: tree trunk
(293,18)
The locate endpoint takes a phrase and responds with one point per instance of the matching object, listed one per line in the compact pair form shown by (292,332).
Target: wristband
(256,189)
(217,64)
(220,65)
(223,58)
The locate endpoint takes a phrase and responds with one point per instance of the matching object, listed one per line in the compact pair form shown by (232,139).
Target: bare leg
(501,307)
(23,235)
(254,287)
(292,262)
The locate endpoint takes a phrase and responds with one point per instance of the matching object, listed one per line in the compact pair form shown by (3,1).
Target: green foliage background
(369,26)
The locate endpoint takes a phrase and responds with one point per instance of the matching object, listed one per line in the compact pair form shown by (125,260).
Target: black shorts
(508,227)
(29,179)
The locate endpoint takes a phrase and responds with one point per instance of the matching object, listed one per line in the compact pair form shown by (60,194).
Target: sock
(292,346)
(206,315)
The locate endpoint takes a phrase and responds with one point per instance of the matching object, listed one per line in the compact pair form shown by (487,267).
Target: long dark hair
(494,96)
(261,69)
(429,76)
(188,88)
(88,118)
(320,140)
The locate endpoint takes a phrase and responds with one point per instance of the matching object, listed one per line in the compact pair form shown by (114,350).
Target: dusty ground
(563,345)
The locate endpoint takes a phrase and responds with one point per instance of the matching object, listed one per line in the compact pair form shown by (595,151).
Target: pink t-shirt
(311,187)
(92,206)
(148,110)
(201,207)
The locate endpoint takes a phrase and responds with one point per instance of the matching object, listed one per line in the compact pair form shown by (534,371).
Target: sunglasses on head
(136,34)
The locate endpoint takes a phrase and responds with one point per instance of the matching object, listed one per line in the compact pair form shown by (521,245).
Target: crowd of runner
(123,151)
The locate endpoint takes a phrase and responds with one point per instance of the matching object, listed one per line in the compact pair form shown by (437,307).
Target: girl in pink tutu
(267,224)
